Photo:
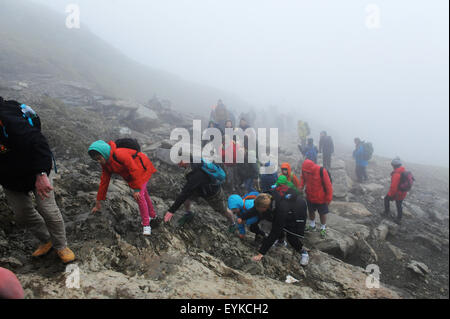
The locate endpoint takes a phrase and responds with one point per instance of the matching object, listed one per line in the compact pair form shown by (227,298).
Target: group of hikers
(285,200)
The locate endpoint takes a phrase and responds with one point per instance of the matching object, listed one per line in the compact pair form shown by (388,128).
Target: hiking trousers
(145,206)
(46,223)
(398,203)
(326,161)
(361,173)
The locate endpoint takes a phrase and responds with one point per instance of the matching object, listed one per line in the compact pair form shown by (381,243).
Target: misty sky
(317,58)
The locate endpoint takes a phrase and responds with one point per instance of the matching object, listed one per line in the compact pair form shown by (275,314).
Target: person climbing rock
(401,182)
(286,170)
(361,162)
(326,147)
(136,169)
(288,215)
(200,183)
(319,193)
(26,164)
(241,206)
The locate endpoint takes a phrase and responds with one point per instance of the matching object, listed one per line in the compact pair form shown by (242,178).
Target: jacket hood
(235,201)
(101,147)
(308,166)
(288,166)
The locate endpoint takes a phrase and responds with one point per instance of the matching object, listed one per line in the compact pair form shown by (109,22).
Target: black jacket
(24,150)
(326,145)
(198,184)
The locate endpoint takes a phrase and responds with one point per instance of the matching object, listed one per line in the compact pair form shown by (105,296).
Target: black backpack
(132,144)
(321,177)
(368,150)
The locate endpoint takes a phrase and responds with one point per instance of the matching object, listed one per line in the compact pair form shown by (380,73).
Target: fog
(330,62)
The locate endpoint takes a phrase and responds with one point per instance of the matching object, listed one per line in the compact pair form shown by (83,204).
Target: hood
(101,147)
(288,166)
(235,201)
(308,166)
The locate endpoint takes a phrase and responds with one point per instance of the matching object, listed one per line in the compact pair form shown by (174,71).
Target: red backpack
(406,181)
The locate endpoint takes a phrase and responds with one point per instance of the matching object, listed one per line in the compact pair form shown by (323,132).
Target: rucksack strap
(134,157)
(323,182)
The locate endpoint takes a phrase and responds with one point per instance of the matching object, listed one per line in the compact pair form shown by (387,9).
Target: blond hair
(263,201)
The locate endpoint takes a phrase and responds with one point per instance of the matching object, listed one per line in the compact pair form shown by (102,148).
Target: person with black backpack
(204,180)
(123,157)
(401,183)
(26,164)
(310,151)
(326,147)
(360,156)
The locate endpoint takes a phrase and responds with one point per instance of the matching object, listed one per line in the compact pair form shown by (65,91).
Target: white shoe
(305,259)
(147,231)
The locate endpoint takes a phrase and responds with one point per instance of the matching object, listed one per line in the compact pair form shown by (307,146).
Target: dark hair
(94,154)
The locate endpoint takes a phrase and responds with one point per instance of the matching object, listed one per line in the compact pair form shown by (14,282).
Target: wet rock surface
(201,259)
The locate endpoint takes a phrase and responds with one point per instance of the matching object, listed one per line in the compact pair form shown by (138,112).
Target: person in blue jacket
(242,207)
(361,162)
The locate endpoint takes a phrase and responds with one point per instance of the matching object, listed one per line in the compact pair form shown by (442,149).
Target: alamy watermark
(193,148)
(72,276)
(73,18)
(373,277)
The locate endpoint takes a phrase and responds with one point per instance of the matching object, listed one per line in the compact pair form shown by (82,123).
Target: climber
(26,164)
(240,206)
(203,180)
(310,151)
(326,147)
(287,171)
(126,160)
(401,182)
(268,178)
(10,287)
(319,193)
(287,212)
(361,162)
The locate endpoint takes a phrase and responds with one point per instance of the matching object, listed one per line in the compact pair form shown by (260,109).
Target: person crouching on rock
(200,184)
(287,212)
(135,167)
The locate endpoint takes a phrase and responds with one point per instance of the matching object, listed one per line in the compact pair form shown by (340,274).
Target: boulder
(418,268)
(349,209)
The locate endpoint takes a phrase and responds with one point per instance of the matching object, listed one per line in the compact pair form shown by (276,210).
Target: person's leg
(217,202)
(151,208)
(254,228)
(312,216)
(358,173)
(323,211)
(187,205)
(143,207)
(249,185)
(399,204)
(364,173)
(387,205)
(26,216)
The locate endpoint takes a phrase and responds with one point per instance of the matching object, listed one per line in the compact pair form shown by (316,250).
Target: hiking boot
(232,228)
(309,228)
(66,255)
(147,231)
(280,243)
(323,232)
(43,249)
(187,218)
(304,260)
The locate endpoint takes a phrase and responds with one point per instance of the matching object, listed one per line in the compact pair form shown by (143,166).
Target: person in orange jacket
(286,170)
(135,168)
(319,193)
(395,194)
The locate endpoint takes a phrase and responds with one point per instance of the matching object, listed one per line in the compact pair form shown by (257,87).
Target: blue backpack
(215,172)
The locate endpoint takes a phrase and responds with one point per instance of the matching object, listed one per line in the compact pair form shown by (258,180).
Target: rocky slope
(201,260)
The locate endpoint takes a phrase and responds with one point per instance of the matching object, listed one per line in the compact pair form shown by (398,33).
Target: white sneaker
(147,231)
(305,259)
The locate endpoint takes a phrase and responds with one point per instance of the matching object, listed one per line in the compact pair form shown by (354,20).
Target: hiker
(203,180)
(124,158)
(399,187)
(303,131)
(326,147)
(287,212)
(287,171)
(241,206)
(310,151)
(319,193)
(10,287)
(269,179)
(26,164)
(220,115)
(248,171)
(230,167)
(361,162)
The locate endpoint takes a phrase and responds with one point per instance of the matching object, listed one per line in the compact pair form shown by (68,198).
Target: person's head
(235,203)
(396,162)
(357,140)
(229,124)
(310,141)
(243,122)
(323,133)
(285,169)
(100,151)
(211,124)
(262,202)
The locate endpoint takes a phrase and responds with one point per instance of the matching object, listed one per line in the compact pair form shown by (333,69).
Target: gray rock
(418,268)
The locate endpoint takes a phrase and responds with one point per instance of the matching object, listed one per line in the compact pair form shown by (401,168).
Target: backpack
(406,181)
(321,178)
(368,150)
(215,172)
(132,144)
(250,196)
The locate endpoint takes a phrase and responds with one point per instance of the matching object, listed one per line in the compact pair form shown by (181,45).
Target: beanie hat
(396,162)
(101,147)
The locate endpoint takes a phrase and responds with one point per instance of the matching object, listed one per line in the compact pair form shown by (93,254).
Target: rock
(163,155)
(372,187)
(11,261)
(398,253)
(337,164)
(419,268)
(428,241)
(349,209)
(381,232)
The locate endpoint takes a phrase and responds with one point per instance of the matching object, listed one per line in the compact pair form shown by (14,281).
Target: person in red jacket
(394,192)
(135,168)
(286,170)
(319,193)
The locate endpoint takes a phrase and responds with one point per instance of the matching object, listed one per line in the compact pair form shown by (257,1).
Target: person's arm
(104,184)
(302,182)
(249,214)
(275,232)
(395,180)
